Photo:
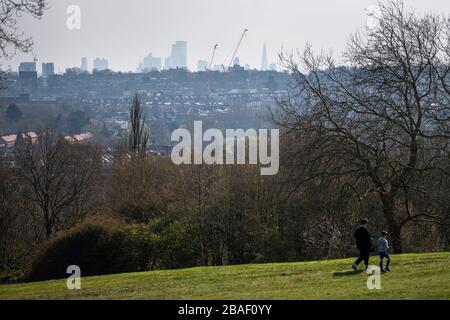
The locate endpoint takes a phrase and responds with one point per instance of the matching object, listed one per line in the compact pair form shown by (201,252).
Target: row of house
(8,141)
(80,138)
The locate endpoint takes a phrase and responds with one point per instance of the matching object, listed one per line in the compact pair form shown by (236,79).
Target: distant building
(140,68)
(84,64)
(73,71)
(23,98)
(80,138)
(157,63)
(27,67)
(218,67)
(9,141)
(167,63)
(236,61)
(179,55)
(202,65)
(151,63)
(147,65)
(27,76)
(48,69)
(273,67)
(101,64)
(264,63)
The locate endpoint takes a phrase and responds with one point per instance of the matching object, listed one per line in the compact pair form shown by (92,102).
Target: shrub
(11,276)
(167,245)
(178,248)
(100,245)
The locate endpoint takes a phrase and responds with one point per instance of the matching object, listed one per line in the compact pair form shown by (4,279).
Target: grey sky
(125,31)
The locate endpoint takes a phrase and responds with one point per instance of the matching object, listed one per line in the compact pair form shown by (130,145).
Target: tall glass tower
(179,55)
(264,62)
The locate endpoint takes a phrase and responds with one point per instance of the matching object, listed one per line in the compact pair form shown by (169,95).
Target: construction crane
(236,50)
(212,57)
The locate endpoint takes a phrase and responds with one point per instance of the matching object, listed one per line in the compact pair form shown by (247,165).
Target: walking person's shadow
(347,273)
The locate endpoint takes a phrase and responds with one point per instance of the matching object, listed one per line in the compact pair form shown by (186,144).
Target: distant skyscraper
(101,64)
(147,65)
(151,63)
(202,65)
(48,69)
(140,68)
(264,63)
(156,63)
(167,63)
(179,55)
(27,67)
(84,64)
(27,77)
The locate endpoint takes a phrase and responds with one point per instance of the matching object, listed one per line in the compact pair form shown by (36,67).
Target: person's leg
(381,261)
(388,261)
(366,258)
(360,258)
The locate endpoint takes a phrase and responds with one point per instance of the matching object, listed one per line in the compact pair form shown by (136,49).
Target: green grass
(413,276)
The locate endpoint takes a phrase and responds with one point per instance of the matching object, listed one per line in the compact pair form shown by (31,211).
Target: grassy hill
(413,276)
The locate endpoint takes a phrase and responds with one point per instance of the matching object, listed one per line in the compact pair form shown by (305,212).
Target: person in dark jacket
(363,243)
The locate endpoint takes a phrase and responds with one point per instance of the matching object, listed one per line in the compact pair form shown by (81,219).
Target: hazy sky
(126,31)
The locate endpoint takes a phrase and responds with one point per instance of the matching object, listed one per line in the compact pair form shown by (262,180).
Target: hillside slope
(413,276)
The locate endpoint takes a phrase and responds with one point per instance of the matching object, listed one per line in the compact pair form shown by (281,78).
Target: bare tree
(60,176)
(139,135)
(379,116)
(10,36)
(11,39)
(7,217)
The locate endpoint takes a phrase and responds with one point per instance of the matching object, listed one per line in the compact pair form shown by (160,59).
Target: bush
(178,249)
(101,245)
(11,276)
(167,245)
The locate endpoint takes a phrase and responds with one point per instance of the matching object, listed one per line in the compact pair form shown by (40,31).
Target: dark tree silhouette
(11,39)
(139,135)
(381,116)
(59,175)
(13,113)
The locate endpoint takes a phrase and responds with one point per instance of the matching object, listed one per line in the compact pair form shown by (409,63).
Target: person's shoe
(388,270)
(355,267)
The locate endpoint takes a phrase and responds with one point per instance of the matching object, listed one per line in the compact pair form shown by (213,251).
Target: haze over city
(126,32)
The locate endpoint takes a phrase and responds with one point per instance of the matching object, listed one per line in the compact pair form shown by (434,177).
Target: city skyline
(154,25)
(176,59)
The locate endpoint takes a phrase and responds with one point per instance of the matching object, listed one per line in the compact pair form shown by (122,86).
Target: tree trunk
(395,235)
(394,228)
(48,230)
(48,225)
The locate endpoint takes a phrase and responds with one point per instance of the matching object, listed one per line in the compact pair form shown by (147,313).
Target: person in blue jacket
(383,247)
